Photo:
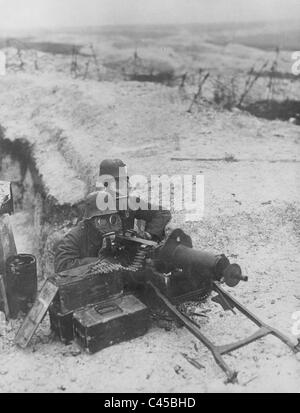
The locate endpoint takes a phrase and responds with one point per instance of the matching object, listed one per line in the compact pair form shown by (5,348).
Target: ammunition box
(36,314)
(82,290)
(109,323)
(61,325)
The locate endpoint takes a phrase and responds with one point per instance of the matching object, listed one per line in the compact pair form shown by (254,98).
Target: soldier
(82,244)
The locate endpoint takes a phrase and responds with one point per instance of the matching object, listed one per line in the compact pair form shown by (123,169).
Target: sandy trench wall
(48,219)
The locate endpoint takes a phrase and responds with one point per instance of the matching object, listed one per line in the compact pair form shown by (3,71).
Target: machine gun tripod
(219,350)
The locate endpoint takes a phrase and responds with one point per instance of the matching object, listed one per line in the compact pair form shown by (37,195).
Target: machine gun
(177,273)
(175,262)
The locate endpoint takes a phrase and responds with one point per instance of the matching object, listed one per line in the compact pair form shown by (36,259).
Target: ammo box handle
(105,309)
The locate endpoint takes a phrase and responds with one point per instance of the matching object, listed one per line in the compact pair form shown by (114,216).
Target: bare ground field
(252,214)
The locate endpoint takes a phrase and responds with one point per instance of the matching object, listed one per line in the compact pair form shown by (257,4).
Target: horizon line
(112,25)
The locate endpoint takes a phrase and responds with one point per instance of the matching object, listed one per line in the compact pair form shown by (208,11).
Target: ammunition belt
(138,262)
(106,266)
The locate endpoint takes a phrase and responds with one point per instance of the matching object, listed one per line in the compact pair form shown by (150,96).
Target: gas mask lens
(99,222)
(108,223)
(113,219)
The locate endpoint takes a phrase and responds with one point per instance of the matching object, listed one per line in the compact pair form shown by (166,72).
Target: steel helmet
(117,170)
(113,167)
(92,209)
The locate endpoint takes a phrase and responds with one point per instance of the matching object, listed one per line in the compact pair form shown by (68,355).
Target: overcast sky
(17,14)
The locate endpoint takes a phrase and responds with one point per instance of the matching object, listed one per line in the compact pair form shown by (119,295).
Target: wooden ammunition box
(36,314)
(77,290)
(112,322)
(62,325)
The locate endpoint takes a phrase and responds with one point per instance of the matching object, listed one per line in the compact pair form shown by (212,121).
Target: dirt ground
(252,214)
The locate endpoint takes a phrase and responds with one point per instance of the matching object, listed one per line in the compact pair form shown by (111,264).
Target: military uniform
(82,244)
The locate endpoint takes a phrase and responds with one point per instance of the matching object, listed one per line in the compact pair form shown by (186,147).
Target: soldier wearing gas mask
(83,243)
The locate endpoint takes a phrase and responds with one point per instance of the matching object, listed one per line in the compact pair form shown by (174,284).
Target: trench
(45,47)
(272,110)
(38,220)
(165,78)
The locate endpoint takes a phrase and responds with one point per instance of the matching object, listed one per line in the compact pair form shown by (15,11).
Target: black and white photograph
(149,198)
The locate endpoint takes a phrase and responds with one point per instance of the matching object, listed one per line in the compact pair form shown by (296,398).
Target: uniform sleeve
(156,220)
(68,255)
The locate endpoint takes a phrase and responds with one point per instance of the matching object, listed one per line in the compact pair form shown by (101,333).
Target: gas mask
(106,224)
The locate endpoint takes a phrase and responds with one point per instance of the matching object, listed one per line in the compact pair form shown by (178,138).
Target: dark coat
(82,244)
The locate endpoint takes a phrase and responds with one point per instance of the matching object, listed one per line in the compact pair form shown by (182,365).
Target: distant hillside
(285,40)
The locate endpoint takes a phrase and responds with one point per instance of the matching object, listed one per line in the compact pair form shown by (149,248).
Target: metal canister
(21,283)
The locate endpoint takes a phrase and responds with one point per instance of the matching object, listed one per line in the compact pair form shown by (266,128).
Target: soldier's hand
(145,235)
(170,227)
